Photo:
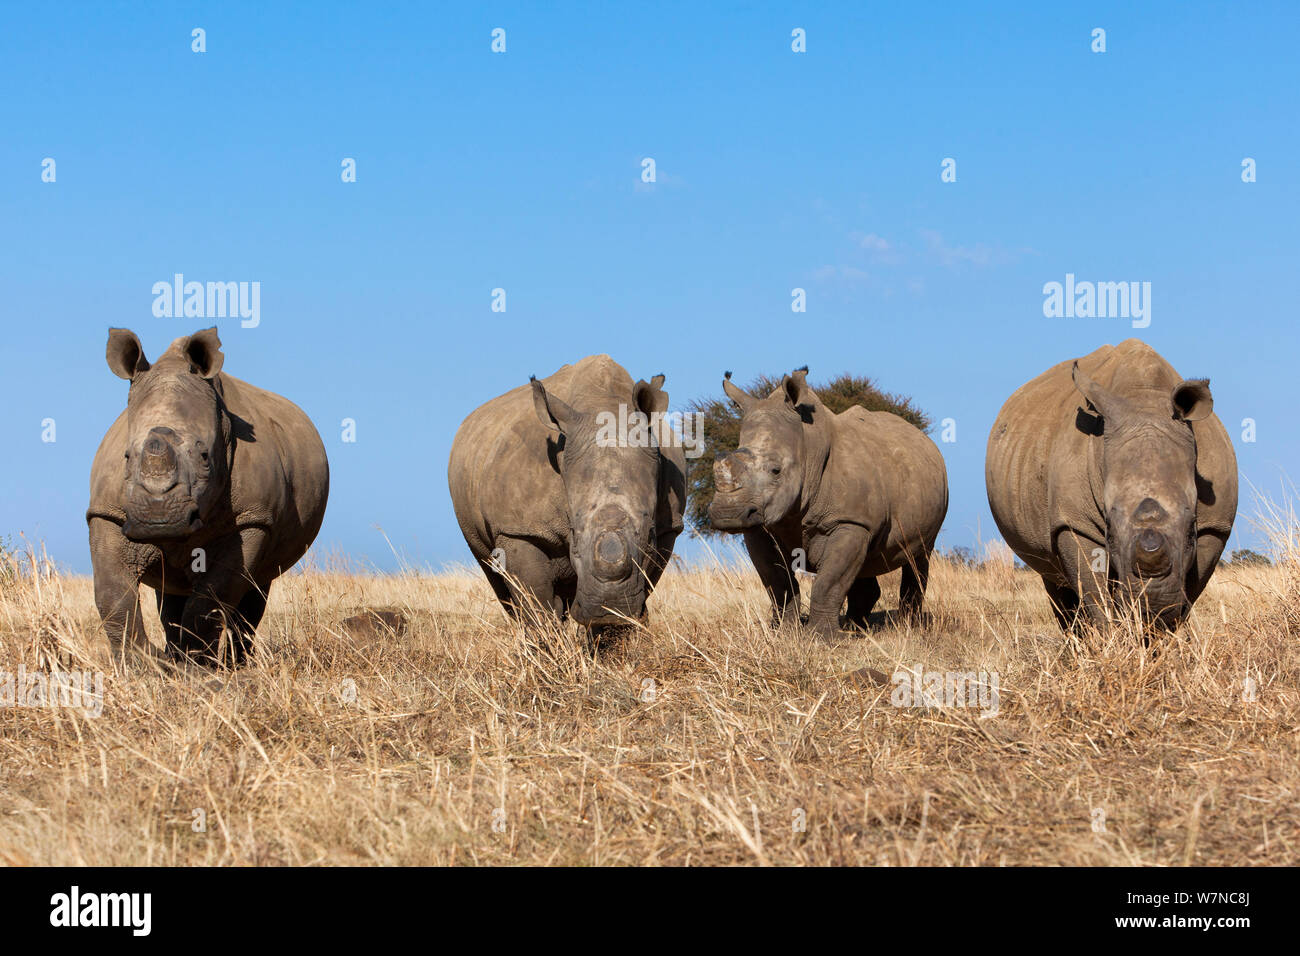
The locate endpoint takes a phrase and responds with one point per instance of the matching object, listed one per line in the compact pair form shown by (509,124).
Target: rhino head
(611,490)
(1148,465)
(761,482)
(177,434)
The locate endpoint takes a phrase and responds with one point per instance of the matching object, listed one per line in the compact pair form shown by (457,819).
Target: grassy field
(705,738)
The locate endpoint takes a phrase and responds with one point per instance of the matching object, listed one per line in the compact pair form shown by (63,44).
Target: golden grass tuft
(703,738)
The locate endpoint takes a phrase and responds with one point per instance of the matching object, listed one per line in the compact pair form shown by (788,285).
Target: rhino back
(1020,458)
(107,472)
(280,472)
(501,477)
(502,471)
(887,475)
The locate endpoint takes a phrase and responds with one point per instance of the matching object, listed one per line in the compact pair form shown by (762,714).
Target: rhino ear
(125,354)
(796,388)
(1109,405)
(1192,399)
(650,396)
(555,414)
(204,352)
(742,398)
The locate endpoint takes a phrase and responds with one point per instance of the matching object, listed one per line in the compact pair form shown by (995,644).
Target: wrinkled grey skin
(584,530)
(861,493)
(1112,478)
(198,461)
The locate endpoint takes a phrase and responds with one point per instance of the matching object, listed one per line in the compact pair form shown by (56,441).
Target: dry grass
(358,746)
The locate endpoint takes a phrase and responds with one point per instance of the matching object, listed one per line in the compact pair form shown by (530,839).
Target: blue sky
(522,170)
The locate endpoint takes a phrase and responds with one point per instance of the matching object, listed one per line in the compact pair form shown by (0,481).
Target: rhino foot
(825,628)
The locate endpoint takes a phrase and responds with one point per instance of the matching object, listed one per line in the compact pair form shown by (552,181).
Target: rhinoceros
(205,488)
(569,490)
(848,496)
(1110,475)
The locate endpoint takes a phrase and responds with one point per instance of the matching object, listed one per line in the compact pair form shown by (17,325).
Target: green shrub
(1246,557)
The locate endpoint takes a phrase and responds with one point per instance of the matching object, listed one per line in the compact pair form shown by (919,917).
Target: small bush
(1247,558)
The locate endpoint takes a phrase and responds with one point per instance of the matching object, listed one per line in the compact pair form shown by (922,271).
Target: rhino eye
(776,470)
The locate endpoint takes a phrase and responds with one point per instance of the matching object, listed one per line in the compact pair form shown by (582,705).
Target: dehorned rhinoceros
(849,496)
(1111,476)
(206,488)
(571,489)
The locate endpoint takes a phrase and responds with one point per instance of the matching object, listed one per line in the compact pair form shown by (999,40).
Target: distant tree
(722,429)
(1247,558)
(962,556)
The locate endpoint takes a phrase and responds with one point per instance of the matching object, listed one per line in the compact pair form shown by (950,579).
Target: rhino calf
(562,504)
(206,489)
(850,496)
(1111,477)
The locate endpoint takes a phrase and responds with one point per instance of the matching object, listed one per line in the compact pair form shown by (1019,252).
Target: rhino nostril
(1151,541)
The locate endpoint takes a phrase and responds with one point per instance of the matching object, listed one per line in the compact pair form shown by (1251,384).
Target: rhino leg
(774,571)
(529,577)
(117,590)
(1209,547)
(171,608)
(217,604)
(566,592)
(1065,604)
(500,586)
(911,587)
(248,615)
(663,552)
(250,605)
(202,621)
(199,638)
(863,596)
(841,560)
(205,618)
(1077,556)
